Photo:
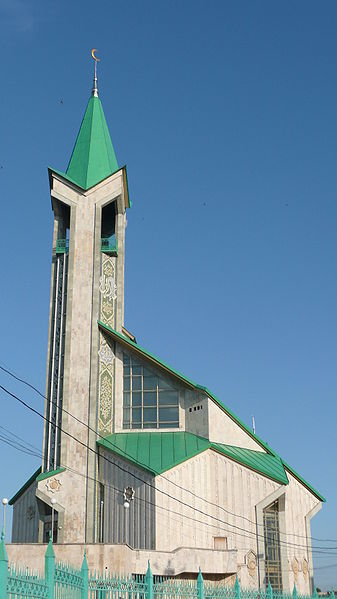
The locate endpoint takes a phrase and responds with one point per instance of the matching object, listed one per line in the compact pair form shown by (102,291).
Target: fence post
(295,592)
(315,594)
(3,568)
(148,582)
(85,577)
(49,569)
(269,591)
(237,588)
(200,586)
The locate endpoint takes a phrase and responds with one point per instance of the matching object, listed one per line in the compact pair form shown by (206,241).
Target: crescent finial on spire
(96,59)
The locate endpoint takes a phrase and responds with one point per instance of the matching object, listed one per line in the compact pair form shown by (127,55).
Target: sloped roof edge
(193,385)
(303,481)
(157,452)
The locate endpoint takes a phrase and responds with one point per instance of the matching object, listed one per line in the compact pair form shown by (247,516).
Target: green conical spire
(93,158)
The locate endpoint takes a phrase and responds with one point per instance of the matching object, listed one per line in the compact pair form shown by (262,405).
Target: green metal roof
(155,452)
(93,157)
(158,452)
(25,486)
(131,344)
(259,461)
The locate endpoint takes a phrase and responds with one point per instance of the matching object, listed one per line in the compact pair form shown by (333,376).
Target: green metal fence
(61,581)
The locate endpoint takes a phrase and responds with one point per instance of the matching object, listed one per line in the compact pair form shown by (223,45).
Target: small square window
(168,414)
(136,416)
(150,383)
(168,398)
(150,398)
(136,399)
(136,383)
(150,415)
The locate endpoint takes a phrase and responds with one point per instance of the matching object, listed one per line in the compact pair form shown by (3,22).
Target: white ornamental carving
(106,355)
(108,287)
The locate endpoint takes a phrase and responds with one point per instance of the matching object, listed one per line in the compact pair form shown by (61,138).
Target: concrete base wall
(124,560)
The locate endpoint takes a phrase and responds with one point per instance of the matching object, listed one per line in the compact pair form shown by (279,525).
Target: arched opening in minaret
(108,237)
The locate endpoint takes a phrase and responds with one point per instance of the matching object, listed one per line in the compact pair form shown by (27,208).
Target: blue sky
(225,114)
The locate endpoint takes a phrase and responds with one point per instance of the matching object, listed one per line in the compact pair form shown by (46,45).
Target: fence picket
(62,581)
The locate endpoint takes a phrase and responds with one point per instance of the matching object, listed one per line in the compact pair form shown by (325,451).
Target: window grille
(272,546)
(150,401)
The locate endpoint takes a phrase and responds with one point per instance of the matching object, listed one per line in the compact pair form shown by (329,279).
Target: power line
(128,456)
(156,506)
(252,534)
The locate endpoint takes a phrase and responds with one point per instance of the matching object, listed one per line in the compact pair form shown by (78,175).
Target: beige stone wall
(222,429)
(121,559)
(81,375)
(215,479)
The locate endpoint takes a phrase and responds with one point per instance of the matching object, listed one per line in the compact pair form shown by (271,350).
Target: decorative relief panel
(106,366)
(108,290)
(251,561)
(108,295)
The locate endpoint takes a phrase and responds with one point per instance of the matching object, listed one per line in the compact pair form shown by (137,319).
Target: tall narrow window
(272,546)
(108,238)
(150,401)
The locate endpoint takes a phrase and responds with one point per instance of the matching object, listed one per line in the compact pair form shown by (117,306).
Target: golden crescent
(93,54)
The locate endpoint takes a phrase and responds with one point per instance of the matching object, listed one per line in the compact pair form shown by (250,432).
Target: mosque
(141,462)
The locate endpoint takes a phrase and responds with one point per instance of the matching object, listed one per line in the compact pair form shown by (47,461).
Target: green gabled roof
(158,452)
(93,157)
(155,452)
(131,344)
(264,463)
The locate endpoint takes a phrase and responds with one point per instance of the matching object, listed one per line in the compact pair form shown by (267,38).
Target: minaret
(89,202)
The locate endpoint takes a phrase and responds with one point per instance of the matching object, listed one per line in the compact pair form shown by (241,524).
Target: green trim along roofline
(25,486)
(67,178)
(36,477)
(157,452)
(303,481)
(192,385)
(49,473)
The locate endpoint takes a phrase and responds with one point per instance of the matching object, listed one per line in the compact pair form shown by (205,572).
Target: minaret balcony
(109,245)
(62,246)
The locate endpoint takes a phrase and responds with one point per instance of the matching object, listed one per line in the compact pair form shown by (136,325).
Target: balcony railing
(62,246)
(109,245)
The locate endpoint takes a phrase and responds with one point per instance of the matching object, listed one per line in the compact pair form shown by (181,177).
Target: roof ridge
(90,148)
